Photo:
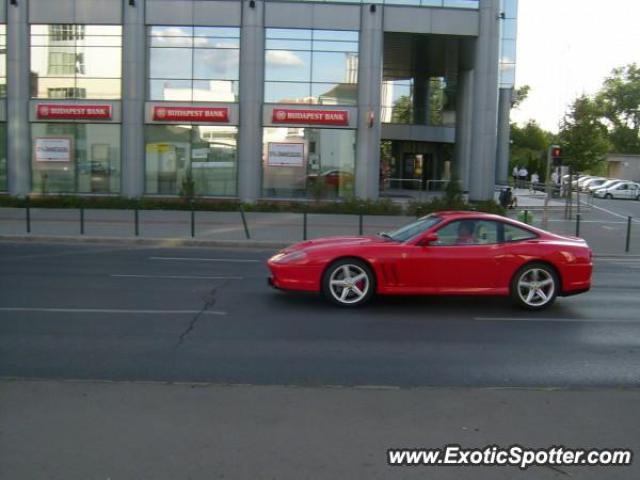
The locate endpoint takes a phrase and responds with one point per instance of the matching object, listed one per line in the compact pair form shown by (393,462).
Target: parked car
(446,253)
(593,187)
(623,189)
(595,184)
(593,180)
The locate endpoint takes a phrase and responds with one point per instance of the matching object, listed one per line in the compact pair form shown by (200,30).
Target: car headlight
(298,256)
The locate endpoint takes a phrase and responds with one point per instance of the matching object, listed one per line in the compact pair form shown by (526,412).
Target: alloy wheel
(536,287)
(349,284)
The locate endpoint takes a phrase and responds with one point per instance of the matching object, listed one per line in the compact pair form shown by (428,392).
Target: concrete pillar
(504,136)
(251,87)
(464,108)
(18,84)
(485,102)
(133,99)
(369,92)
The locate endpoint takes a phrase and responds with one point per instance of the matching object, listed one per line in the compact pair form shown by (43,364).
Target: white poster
(286,155)
(49,149)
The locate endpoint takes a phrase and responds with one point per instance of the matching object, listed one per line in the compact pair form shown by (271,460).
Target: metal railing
(464,4)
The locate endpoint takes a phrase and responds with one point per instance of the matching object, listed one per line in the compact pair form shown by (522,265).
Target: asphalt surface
(207,315)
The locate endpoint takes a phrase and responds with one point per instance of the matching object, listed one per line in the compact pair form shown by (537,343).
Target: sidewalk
(89,430)
(266,230)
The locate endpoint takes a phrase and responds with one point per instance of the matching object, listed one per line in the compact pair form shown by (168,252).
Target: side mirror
(428,239)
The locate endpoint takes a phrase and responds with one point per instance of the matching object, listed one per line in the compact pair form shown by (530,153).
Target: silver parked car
(628,190)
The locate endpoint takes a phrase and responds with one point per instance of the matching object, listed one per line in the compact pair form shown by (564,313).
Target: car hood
(334,242)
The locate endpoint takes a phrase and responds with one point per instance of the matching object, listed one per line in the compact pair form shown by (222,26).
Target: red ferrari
(446,253)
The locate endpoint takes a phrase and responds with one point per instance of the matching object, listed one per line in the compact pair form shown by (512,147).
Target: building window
(431,103)
(3,61)
(308,162)
(82,59)
(75,158)
(311,66)
(64,33)
(194,64)
(67,92)
(191,158)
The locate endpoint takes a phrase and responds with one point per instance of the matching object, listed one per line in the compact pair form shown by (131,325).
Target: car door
(621,191)
(459,262)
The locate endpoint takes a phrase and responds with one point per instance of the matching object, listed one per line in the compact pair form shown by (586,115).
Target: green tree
(583,136)
(520,95)
(529,146)
(619,103)
(402,110)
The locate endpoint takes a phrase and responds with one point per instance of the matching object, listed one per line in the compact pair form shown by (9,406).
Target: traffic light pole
(545,213)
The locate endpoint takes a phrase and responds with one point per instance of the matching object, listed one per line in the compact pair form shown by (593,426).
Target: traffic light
(556,156)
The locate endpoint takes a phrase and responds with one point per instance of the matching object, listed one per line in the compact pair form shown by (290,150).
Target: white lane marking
(180,277)
(111,311)
(548,319)
(190,259)
(613,213)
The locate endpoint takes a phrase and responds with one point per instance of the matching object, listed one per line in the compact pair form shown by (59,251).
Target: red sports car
(451,253)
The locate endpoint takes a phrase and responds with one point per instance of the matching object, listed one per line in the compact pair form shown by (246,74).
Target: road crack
(209,301)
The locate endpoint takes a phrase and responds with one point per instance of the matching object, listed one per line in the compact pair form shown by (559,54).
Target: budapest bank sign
(312,117)
(190,114)
(58,111)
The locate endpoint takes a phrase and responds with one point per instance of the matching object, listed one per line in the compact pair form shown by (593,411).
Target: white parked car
(629,190)
(593,180)
(594,186)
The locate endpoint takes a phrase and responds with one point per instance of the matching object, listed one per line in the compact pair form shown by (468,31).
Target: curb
(161,242)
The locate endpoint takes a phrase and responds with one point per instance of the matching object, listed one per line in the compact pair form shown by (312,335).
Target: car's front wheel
(348,283)
(608,196)
(535,286)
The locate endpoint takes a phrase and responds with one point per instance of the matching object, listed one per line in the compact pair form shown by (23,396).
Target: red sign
(315,117)
(58,111)
(190,114)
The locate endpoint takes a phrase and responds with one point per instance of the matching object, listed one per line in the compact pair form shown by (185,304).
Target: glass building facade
(275,100)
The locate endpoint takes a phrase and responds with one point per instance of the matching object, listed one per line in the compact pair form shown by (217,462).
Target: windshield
(416,228)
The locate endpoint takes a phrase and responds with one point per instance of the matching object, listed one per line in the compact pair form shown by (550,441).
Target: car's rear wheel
(348,283)
(535,286)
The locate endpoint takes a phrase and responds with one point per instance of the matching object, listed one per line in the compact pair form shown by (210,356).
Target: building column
(369,91)
(464,108)
(133,99)
(485,102)
(18,84)
(504,136)
(251,88)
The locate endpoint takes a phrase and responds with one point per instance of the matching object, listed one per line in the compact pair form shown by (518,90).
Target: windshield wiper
(386,235)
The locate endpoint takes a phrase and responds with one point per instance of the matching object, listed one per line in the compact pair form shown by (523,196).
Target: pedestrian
(522,175)
(535,180)
(514,175)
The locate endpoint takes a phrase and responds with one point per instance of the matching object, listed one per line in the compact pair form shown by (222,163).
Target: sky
(567,48)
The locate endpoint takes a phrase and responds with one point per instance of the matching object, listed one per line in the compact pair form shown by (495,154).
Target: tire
(348,283)
(535,286)
(608,196)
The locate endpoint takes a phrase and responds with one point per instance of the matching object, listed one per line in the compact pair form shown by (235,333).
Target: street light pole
(545,214)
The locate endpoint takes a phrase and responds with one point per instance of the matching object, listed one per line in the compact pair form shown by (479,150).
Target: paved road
(188,314)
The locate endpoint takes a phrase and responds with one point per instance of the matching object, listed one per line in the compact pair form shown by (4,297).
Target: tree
(529,146)
(520,95)
(619,104)
(583,136)
(402,110)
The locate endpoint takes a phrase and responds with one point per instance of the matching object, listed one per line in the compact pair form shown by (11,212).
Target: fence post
(28,218)
(81,220)
(193,219)
(244,223)
(136,220)
(304,225)
(578,225)
(526,216)
(626,249)
(360,229)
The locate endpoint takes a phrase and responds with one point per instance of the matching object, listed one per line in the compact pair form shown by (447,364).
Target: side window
(516,234)
(468,232)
